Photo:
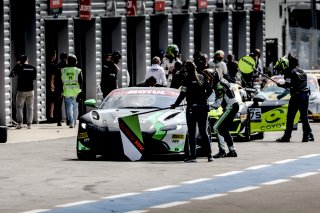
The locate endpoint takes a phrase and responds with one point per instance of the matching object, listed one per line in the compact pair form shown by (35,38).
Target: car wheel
(86,155)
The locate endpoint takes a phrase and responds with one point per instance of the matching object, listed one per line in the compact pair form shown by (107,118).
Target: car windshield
(139,98)
(272,89)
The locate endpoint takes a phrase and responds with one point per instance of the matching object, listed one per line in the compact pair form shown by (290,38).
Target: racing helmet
(219,52)
(281,65)
(211,75)
(172,50)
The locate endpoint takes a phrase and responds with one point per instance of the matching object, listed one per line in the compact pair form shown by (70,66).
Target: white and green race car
(163,130)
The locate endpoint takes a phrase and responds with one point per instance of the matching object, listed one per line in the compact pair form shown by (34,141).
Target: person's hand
(173,106)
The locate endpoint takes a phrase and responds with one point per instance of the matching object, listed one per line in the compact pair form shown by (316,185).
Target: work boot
(308,138)
(232,154)
(283,139)
(220,154)
(190,160)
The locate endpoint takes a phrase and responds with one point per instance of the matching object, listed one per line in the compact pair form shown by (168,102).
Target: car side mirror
(257,99)
(90,103)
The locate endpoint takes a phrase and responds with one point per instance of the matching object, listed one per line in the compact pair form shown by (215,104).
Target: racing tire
(86,156)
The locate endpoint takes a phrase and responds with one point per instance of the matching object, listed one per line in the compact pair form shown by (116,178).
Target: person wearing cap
(157,72)
(218,64)
(71,77)
(25,91)
(296,82)
(109,75)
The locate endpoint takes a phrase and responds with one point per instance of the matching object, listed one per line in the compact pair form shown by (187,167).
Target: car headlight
(95,115)
(83,125)
(169,127)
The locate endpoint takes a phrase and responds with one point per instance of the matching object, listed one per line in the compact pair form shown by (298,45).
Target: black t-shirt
(109,76)
(26,75)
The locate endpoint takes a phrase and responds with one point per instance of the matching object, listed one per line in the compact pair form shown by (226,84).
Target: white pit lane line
(257,167)
(245,189)
(228,173)
(160,188)
(137,211)
(196,181)
(209,196)
(284,161)
(309,156)
(76,203)
(167,205)
(305,174)
(37,211)
(274,182)
(120,195)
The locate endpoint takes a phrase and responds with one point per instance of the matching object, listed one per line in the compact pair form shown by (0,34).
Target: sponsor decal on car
(82,135)
(178,136)
(271,120)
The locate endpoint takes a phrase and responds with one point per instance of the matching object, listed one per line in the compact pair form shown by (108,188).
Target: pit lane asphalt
(39,132)
(181,193)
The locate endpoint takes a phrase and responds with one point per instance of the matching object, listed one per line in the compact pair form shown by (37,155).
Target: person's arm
(80,79)
(52,82)
(219,97)
(15,71)
(181,96)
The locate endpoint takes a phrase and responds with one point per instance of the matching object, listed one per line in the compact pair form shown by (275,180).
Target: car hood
(148,121)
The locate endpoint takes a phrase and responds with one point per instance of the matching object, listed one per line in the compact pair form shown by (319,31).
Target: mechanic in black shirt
(196,90)
(225,98)
(25,91)
(110,70)
(296,81)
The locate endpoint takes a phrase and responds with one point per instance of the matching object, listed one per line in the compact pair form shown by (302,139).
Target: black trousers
(299,101)
(199,117)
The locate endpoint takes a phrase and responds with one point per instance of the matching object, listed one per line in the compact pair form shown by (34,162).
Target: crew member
(225,98)
(296,81)
(196,90)
(157,72)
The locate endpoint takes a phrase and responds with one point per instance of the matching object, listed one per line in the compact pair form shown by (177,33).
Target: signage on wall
(85,9)
(202,5)
(256,5)
(181,6)
(55,6)
(111,8)
(135,7)
(159,6)
(131,7)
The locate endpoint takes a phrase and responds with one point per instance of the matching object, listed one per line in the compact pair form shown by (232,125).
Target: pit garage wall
(109,31)
(2,68)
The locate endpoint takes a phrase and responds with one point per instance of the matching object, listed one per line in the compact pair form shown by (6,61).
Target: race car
(164,131)
(272,92)
(239,129)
